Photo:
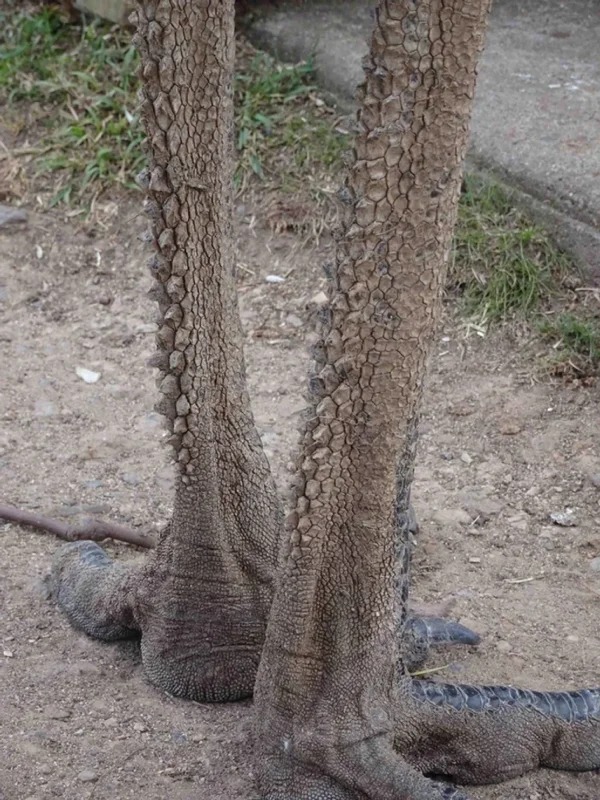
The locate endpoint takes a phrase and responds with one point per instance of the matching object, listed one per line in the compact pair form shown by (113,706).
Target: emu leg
(338,718)
(202,598)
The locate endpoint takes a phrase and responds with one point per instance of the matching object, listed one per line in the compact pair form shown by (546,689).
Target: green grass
(503,265)
(81,81)
(506,269)
(575,342)
(282,129)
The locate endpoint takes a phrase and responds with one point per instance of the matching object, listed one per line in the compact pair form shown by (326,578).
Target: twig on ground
(419,673)
(25,151)
(94,529)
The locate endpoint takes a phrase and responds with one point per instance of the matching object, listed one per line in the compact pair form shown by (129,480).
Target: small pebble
(566,518)
(44,408)
(131,478)
(12,216)
(87,776)
(595,564)
(318,299)
(88,375)
(54,712)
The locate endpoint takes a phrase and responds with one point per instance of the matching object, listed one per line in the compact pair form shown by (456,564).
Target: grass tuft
(74,87)
(277,109)
(503,266)
(575,340)
(288,139)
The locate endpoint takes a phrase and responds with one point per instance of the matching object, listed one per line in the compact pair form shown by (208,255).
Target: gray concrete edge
(580,240)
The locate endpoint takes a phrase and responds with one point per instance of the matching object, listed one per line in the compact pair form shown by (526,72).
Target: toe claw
(438,631)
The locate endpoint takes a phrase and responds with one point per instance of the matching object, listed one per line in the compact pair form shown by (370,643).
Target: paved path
(536,121)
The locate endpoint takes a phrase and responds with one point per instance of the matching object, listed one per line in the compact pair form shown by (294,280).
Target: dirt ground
(499,453)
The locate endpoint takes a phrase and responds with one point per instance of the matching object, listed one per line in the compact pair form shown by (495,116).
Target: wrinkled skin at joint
(234,601)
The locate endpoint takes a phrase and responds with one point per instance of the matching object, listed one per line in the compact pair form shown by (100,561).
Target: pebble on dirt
(12,216)
(55,712)
(87,776)
(566,518)
(131,478)
(88,375)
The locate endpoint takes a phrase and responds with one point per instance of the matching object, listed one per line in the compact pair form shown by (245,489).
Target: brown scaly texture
(337,715)
(202,601)
(334,702)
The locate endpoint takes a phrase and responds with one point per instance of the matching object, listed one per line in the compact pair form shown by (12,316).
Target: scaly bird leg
(338,717)
(331,688)
(202,598)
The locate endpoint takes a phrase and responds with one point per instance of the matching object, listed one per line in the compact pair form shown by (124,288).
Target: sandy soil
(499,453)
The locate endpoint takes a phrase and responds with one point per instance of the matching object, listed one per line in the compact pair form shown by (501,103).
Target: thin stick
(429,671)
(89,528)
(514,581)
(25,151)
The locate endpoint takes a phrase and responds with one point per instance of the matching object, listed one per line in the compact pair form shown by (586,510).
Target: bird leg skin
(338,717)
